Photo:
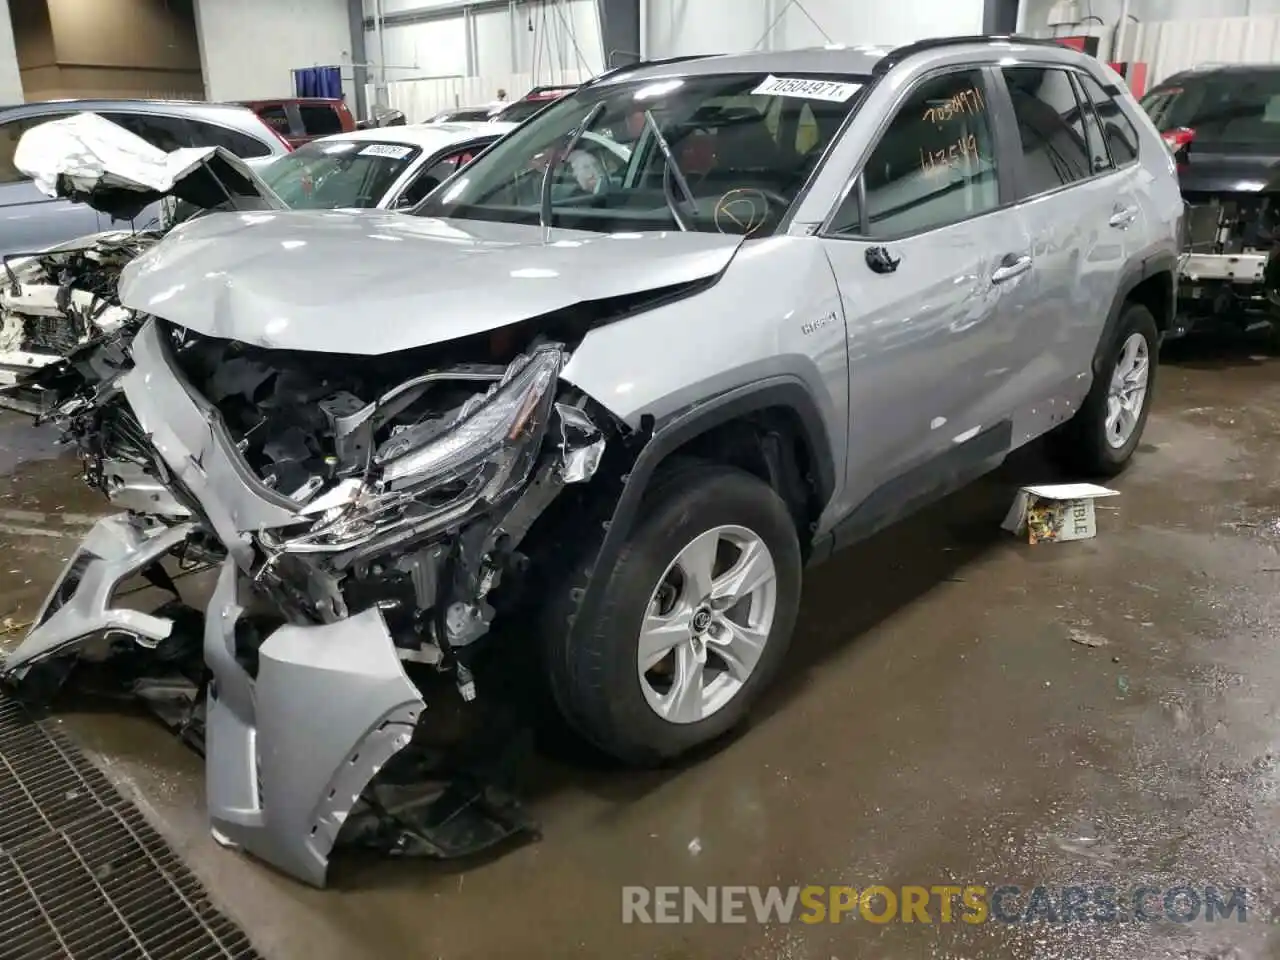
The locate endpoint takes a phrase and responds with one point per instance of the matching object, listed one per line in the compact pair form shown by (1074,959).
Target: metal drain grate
(82,874)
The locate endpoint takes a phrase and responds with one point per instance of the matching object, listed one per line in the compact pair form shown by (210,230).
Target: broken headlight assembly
(434,473)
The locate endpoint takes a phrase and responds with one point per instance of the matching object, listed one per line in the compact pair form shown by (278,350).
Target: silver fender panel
(288,754)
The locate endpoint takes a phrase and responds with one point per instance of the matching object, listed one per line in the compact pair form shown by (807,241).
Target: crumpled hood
(370,282)
(89,159)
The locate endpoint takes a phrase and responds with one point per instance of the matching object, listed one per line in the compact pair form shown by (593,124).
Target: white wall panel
(551,43)
(674,27)
(248,48)
(437,48)
(1034,15)
(422,99)
(1168,47)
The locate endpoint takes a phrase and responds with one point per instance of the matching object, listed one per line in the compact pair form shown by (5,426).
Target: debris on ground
(1056,512)
(1086,639)
(11,625)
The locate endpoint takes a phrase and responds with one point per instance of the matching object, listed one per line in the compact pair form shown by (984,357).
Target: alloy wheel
(707,624)
(1128,391)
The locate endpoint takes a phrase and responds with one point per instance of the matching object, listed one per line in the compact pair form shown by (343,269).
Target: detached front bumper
(80,605)
(288,753)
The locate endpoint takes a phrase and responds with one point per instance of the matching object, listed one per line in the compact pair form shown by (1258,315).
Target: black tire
(591,666)
(1081,445)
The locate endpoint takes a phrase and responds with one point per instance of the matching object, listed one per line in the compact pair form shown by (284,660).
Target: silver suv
(603,414)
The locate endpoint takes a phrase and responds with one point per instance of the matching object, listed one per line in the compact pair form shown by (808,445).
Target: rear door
(30,220)
(1081,212)
(931,260)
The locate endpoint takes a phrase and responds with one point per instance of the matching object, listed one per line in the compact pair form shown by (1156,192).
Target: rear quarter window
(214,135)
(319,120)
(1117,129)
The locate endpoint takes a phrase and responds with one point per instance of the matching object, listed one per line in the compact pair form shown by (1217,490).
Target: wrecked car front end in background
(54,302)
(361,468)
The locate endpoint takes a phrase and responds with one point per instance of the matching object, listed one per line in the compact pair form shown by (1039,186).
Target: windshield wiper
(672,172)
(544,209)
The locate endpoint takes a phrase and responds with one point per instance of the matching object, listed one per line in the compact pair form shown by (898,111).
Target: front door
(932,270)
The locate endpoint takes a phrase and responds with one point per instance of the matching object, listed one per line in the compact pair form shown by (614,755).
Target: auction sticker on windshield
(388,150)
(807,89)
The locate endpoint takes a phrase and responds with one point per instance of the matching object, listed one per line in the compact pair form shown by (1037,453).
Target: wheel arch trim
(682,426)
(1138,271)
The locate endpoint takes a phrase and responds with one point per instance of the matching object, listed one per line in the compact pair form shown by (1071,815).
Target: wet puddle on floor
(20,442)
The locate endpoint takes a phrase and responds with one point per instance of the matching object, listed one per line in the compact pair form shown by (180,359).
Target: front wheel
(1101,438)
(694,620)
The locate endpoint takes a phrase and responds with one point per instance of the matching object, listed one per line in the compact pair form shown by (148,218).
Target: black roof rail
(898,54)
(663,61)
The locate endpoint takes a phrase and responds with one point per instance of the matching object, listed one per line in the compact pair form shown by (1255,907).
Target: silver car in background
(588,424)
(31,221)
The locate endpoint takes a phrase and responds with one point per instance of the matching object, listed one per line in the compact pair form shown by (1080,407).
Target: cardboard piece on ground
(1056,512)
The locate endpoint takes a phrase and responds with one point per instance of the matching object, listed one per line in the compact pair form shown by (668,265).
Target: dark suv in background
(1222,124)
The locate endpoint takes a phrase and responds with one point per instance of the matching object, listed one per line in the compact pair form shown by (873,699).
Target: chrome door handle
(1011,267)
(1123,217)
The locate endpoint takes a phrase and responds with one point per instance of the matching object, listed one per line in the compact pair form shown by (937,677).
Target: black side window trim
(1111,91)
(997,112)
(1085,107)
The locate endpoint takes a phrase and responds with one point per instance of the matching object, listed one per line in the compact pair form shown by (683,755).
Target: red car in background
(517,111)
(299,120)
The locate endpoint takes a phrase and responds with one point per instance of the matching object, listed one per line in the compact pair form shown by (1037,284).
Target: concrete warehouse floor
(937,724)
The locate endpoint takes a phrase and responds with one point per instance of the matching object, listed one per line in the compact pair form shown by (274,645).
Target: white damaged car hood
(87,158)
(369,282)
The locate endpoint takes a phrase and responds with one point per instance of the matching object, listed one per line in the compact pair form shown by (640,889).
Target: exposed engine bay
(55,301)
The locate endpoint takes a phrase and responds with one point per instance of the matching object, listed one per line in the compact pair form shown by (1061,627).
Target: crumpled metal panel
(282,773)
(80,604)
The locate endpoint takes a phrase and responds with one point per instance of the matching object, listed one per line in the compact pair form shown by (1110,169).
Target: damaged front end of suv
(359,517)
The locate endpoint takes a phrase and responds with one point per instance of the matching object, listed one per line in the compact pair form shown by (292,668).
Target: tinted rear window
(1236,106)
(319,120)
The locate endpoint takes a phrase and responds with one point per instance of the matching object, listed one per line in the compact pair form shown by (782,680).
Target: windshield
(742,145)
(1236,106)
(328,174)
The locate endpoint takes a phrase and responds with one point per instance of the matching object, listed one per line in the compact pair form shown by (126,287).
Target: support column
(10,77)
(359,57)
(619,31)
(1000,16)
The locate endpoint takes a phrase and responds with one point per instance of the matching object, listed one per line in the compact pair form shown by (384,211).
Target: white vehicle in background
(388,168)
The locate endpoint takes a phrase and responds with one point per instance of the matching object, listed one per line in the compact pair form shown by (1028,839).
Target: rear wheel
(695,618)
(1103,435)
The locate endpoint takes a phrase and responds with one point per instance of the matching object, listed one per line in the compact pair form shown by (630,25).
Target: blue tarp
(318,82)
